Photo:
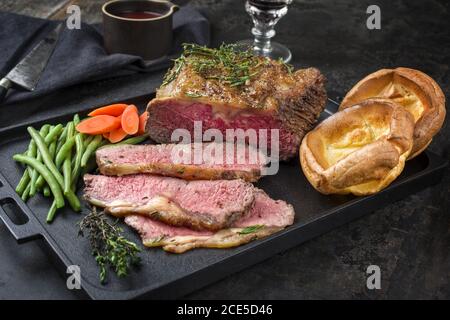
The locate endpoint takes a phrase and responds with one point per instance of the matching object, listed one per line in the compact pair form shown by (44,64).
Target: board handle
(21,232)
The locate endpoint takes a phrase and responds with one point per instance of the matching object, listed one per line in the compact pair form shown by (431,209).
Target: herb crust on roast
(229,89)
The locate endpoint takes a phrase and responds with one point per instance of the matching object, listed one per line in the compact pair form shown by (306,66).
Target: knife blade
(27,72)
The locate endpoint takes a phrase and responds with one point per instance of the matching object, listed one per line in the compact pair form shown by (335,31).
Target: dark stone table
(409,239)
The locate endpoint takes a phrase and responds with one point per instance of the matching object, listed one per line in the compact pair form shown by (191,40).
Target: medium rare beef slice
(266,217)
(200,204)
(273,97)
(205,161)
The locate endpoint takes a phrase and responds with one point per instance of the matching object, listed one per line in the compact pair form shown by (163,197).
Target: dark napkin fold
(79,55)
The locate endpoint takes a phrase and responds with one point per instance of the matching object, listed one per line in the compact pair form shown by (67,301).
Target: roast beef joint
(224,89)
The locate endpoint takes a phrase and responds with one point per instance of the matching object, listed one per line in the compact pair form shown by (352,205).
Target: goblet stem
(262,35)
(265,15)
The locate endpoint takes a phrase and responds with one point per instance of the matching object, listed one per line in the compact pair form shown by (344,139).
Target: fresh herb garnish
(158,239)
(180,171)
(226,64)
(109,247)
(289,67)
(193,95)
(173,73)
(251,229)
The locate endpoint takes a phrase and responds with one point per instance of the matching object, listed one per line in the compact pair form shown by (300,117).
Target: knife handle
(5,84)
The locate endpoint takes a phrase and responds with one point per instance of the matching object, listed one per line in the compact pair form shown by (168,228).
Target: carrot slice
(142,122)
(111,110)
(98,124)
(130,120)
(106,135)
(117,135)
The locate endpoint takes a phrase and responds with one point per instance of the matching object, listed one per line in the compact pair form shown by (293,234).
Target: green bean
(61,139)
(31,151)
(23,183)
(35,177)
(52,150)
(73,200)
(51,212)
(93,145)
(70,130)
(46,191)
(26,193)
(40,182)
(63,135)
(67,171)
(44,130)
(53,134)
(90,166)
(76,119)
(66,155)
(50,140)
(67,165)
(87,140)
(33,173)
(133,140)
(64,151)
(26,177)
(77,162)
(44,171)
(47,159)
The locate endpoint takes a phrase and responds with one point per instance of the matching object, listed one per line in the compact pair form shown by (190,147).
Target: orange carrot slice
(130,119)
(98,124)
(117,135)
(142,122)
(111,110)
(106,135)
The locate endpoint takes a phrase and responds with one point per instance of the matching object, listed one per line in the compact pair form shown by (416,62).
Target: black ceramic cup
(138,27)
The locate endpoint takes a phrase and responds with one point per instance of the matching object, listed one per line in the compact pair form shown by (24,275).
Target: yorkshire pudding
(359,150)
(414,90)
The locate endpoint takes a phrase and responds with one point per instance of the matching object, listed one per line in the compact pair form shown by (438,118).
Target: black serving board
(166,275)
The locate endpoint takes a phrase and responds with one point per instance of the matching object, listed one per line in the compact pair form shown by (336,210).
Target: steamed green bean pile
(56,158)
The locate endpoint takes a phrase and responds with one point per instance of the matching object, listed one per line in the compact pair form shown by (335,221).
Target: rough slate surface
(409,240)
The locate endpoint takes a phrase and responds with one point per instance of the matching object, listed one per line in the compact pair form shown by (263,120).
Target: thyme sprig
(109,247)
(226,64)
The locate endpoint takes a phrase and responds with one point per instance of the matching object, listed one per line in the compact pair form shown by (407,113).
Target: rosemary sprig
(289,67)
(109,247)
(225,64)
(251,229)
(175,70)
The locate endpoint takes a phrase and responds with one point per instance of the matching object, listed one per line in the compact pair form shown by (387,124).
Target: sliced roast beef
(202,87)
(206,161)
(266,217)
(200,204)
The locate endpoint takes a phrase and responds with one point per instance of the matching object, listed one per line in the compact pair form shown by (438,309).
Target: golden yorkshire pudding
(414,90)
(359,150)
